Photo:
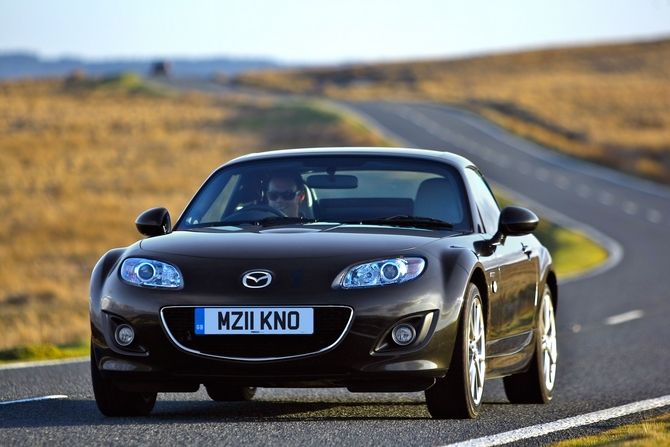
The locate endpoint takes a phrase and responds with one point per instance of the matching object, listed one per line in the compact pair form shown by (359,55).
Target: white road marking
(562,183)
(542,174)
(565,424)
(630,208)
(606,199)
(503,161)
(654,216)
(622,318)
(34,399)
(20,365)
(583,191)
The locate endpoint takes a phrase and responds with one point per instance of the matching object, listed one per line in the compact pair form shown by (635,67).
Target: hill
(609,104)
(24,65)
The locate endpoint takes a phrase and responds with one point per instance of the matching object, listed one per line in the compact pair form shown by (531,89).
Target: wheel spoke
(477,347)
(548,334)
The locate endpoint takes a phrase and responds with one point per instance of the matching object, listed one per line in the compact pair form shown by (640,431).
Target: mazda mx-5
(373,269)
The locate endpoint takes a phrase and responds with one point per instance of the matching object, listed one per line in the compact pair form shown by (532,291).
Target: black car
(374,269)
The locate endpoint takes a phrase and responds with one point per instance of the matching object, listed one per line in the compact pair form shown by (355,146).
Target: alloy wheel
(549,345)
(477,351)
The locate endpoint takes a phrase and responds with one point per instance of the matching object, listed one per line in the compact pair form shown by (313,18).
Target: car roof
(421,154)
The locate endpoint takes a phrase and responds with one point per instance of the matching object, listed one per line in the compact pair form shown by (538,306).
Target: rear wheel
(230,393)
(459,394)
(113,401)
(536,386)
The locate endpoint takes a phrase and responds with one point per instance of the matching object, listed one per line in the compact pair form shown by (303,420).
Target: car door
(519,264)
(487,212)
(513,282)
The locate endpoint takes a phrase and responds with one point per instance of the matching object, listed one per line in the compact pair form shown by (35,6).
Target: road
(614,339)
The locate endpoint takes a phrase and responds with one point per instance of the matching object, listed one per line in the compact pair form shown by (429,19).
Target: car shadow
(269,405)
(84,412)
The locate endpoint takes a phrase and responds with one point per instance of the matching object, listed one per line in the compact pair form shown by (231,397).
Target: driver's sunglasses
(286,195)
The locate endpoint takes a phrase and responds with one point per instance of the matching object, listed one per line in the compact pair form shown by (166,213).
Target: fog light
(124,335)
(403,334)
(114,365)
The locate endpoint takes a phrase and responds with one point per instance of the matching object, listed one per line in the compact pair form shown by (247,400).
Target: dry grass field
(608,104)
(80,159)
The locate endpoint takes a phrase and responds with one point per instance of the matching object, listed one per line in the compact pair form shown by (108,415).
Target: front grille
(330,325)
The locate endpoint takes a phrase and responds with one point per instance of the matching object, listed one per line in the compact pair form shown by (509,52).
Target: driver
(285,192)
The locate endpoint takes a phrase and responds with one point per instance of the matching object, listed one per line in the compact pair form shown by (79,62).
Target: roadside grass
(607,104)
(82,158)
(653,432)
(571,250)
(45,352)
(130,83)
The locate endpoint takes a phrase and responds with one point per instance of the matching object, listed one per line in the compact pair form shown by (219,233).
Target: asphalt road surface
(614,336)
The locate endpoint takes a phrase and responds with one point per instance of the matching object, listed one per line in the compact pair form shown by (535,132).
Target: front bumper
(361,359)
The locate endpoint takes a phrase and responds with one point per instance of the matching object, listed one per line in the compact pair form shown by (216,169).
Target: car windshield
(347,190)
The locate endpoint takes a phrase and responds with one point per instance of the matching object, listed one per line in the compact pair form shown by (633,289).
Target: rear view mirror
(332,181)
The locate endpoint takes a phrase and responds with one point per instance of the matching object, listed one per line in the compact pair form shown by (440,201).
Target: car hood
(290,242)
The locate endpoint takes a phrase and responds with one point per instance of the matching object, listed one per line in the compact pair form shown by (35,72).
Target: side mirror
(517,221)
(514,221)
(154,222)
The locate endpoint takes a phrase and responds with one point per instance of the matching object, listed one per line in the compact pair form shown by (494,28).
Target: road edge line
(535,431)
(34,399)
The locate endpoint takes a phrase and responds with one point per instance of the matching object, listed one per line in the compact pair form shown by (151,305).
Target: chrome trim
(256,276)
(264,359)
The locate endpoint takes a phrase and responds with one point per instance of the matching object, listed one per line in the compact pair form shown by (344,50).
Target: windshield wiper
(408,221)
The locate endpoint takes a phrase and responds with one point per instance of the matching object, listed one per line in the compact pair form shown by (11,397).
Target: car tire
(536,386)
(230,393)
(459,394)
(115,402)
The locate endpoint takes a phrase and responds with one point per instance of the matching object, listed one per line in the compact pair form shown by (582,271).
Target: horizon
(221,57)
(295,32)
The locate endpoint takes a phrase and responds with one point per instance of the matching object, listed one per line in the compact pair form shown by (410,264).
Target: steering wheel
(263,208)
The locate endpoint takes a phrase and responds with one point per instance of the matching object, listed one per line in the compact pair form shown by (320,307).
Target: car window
(338,189)
(212,200)
(487,206)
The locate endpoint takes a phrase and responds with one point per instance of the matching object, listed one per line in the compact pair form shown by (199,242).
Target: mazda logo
(257,279)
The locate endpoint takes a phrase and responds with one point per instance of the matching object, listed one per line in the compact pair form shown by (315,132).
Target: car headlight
(383,272)
(147,272)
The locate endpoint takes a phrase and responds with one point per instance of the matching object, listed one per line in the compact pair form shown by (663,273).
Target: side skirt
(509,355)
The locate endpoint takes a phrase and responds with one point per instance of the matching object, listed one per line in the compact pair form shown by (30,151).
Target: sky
(319,32)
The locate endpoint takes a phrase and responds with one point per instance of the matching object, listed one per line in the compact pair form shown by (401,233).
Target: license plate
(254,320)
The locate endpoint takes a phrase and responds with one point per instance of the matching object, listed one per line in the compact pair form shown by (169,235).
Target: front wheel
(459,394)
(536,386)
(113,401)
